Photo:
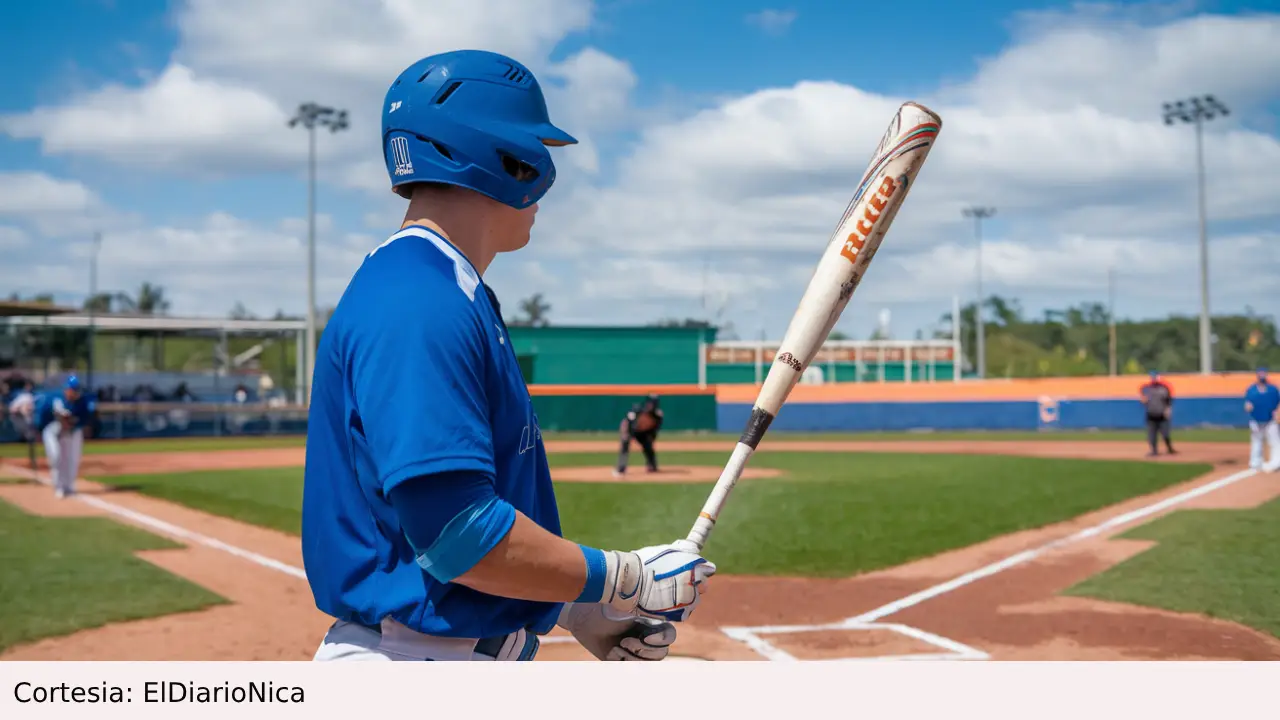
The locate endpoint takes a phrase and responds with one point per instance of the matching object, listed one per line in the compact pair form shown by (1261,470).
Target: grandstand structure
(211,356)
(841,361)
(159,374)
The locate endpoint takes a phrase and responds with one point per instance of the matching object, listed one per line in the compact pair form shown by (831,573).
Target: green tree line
(1076,341)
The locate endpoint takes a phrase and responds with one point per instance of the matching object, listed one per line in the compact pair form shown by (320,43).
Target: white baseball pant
(392,641)
(63,449)
(1258,431)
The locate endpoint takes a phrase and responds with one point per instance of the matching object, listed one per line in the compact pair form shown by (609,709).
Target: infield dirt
(1015,614)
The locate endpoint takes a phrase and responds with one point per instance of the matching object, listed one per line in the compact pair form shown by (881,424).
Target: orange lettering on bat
(867,223)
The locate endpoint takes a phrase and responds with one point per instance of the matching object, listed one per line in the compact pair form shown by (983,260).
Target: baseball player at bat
(64,419)
(430,529)
(1261,402)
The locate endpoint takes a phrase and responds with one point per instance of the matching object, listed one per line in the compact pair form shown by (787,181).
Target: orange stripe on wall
(636,390)
(1090,388)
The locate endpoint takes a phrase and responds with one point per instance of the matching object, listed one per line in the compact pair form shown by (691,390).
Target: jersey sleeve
(418,382)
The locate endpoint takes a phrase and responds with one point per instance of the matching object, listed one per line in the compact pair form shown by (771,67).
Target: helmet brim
(552,136)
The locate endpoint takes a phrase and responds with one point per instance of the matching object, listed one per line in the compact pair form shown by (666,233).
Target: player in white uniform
(22,410)
(22,417)
(1262,403)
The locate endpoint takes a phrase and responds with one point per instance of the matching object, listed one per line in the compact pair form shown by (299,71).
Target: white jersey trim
(465,274)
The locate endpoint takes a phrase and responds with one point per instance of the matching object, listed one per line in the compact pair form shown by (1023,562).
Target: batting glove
(663,582)
(610,636)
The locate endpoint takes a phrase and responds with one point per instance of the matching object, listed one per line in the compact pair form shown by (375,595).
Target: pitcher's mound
(667,474)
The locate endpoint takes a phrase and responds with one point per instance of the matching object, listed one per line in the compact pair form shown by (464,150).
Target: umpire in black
(1157,402)
(641,424)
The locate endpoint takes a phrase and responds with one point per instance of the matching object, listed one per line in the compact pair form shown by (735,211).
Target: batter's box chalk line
(753,638)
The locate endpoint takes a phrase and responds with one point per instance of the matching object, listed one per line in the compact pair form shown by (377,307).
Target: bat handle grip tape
(719,494)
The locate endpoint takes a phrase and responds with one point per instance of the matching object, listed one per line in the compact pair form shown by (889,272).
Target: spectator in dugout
(1157,403)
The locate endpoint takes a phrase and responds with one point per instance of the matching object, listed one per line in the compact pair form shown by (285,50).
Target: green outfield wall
(610,355)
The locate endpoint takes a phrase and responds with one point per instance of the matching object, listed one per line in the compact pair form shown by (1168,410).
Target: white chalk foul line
(1022,557)
(174,530)
(763,647)
(751,635)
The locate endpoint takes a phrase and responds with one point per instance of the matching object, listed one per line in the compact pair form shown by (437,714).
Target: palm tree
(535,311)
(110,302)
(240,312)
(151,300)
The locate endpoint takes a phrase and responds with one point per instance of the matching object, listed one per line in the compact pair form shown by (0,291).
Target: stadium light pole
(1111,320)
(979,214)
(310,115)
(1197,111)
(93,296)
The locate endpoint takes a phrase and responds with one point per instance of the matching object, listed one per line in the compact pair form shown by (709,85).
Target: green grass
(835,515)
(115,447)
(59,575)
(1220,563)
(267,497)
(1184,435)
(190,444)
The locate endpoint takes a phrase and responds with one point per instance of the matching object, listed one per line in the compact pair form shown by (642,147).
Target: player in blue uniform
(64,419)
(430,529)
(1261,402)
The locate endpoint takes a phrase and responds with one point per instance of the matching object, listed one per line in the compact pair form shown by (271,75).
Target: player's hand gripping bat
(892,172)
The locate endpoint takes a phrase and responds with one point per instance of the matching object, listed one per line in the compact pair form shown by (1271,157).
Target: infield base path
(1016,614)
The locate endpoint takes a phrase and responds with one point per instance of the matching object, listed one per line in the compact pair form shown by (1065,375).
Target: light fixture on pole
(1196,111)
(309,116)
(979,214)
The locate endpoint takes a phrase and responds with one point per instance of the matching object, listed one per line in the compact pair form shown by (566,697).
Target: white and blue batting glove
(663,582)
(610,636)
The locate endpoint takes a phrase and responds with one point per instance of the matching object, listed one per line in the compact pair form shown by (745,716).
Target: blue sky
(714,131)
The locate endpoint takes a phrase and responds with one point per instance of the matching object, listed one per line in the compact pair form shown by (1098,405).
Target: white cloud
(243,67)
(205,265)
(26,194)
(1082,180)
(1102,58)
(12,238)
(1061,131)
(199,125)
(56,208)
(774,22)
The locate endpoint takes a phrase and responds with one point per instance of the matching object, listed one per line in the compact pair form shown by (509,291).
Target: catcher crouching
(641,424)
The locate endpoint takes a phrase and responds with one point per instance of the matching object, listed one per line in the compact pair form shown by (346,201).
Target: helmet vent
(516,75)
(518,169)
(439,148)
(426,73)
(448,91)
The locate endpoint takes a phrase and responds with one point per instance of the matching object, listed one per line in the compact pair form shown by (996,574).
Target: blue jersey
(50,405)
(1265,400)
(415,376)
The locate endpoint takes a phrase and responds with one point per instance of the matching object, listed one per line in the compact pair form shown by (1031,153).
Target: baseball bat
(892,171)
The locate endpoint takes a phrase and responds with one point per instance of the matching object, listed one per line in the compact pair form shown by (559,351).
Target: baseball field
(966,546)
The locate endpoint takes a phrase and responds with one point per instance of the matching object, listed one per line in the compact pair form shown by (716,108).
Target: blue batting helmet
(472,119)
(73,383)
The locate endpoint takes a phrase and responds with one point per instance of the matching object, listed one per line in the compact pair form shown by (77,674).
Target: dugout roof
(16,308)
(162,323)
